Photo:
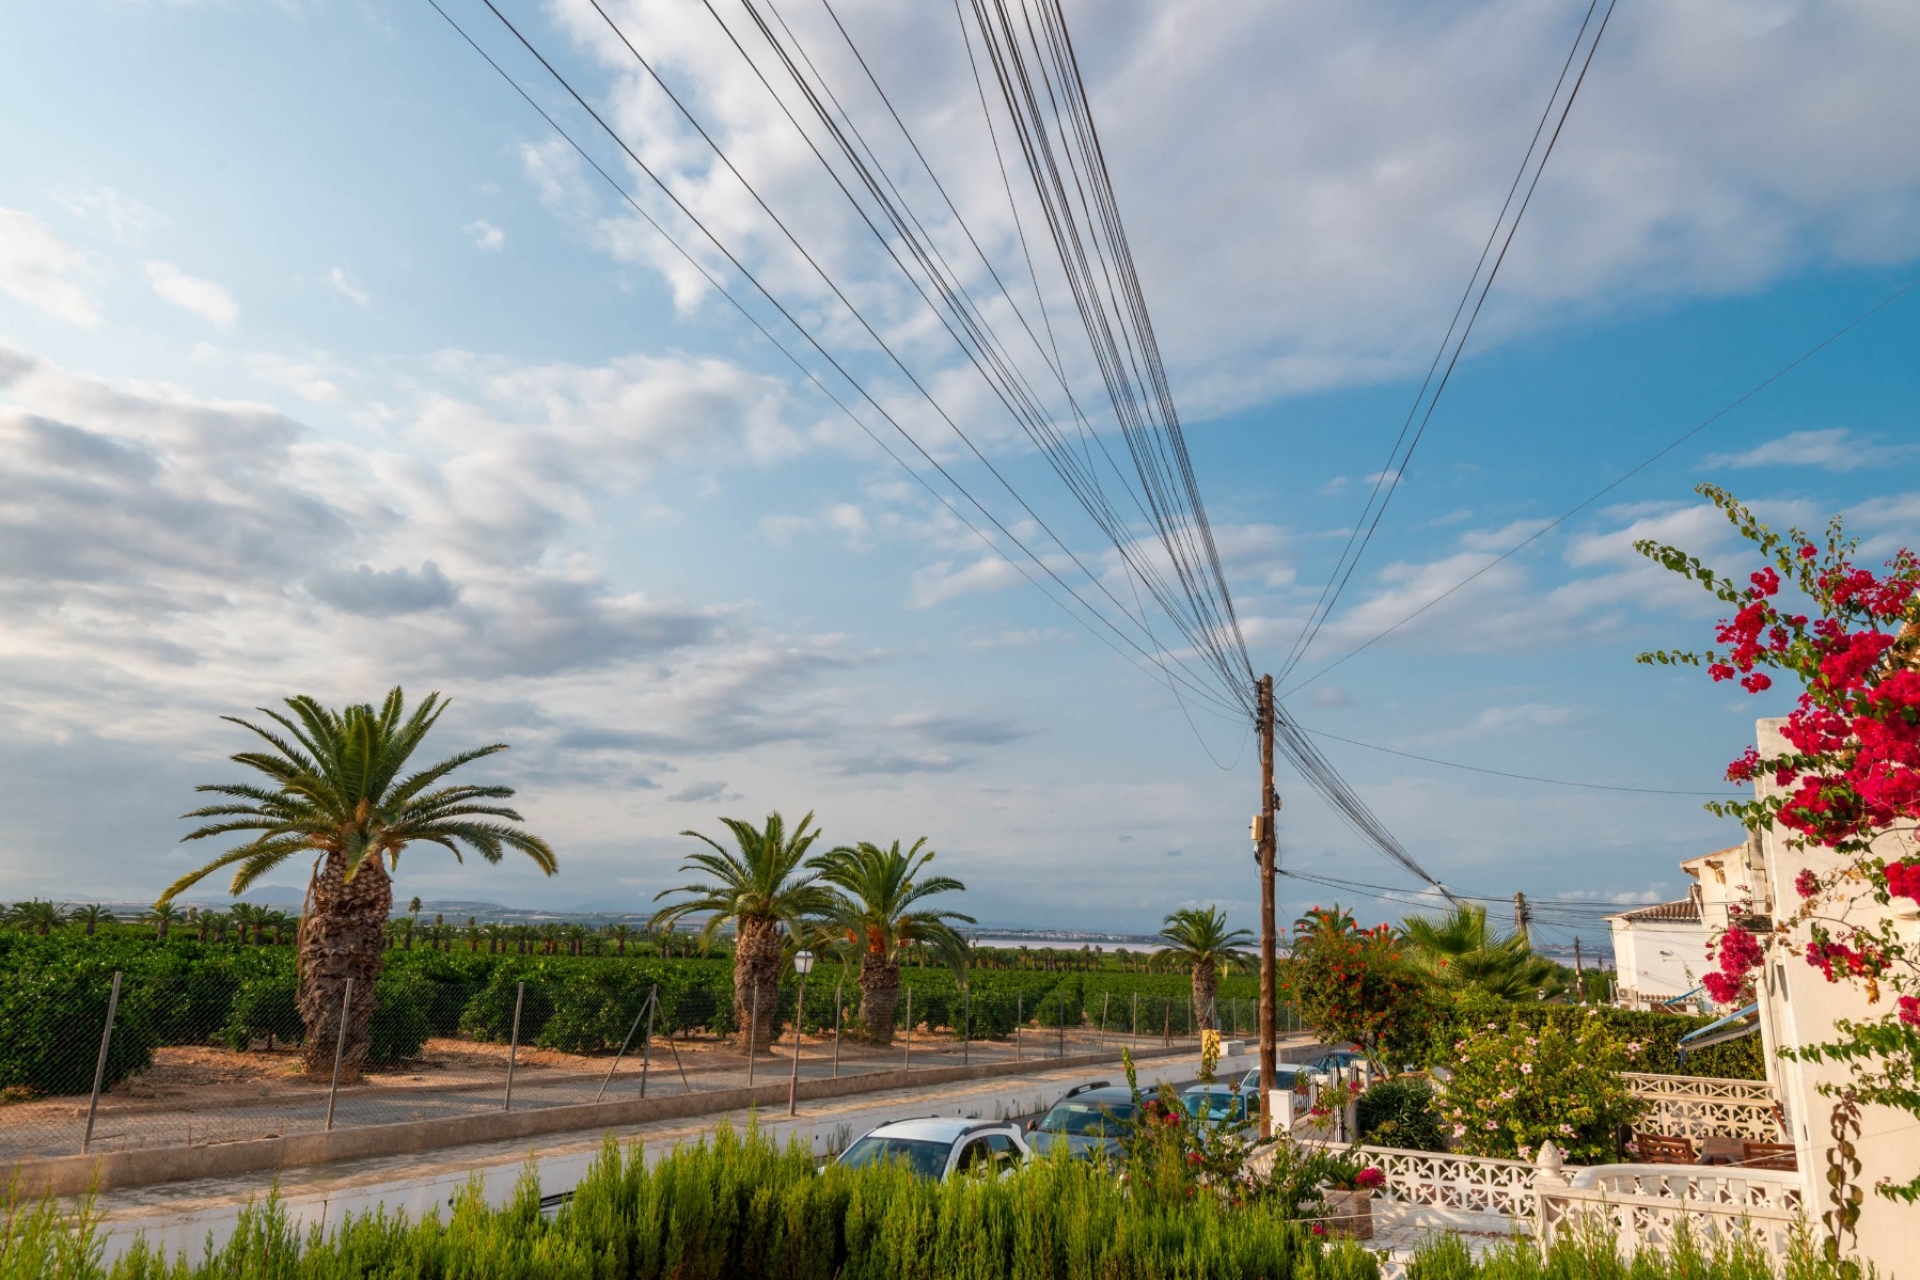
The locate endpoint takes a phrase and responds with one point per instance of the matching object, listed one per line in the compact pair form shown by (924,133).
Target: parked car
(1294,1075)
(938,1146)
(1089,1121)
(1221,1104)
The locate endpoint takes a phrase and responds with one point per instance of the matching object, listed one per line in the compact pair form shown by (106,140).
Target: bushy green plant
(1658,1034)
(399,1026)
(1065,1005)
(263,1009)
(1399,1112)
(1513,1089)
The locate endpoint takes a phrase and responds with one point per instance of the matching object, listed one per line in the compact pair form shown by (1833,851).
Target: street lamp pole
(802,965)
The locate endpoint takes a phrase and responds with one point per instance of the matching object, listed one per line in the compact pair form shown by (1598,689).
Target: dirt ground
(206,1078)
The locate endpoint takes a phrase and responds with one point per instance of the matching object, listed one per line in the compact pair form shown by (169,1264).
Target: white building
(1660,951)
(1798,1007)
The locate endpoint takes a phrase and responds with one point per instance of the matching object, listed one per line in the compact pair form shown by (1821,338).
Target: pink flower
(1368,1179)
(1910,1010)
(1526,1068)
(1806,884)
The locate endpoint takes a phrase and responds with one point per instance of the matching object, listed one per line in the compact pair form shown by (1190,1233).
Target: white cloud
(38,268)
(346,288)
(1834,449)
(938,583)
(485,235)
(124,217)
(201,297)
(1709,153)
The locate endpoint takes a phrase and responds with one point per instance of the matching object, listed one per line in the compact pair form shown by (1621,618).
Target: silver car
(939,1146)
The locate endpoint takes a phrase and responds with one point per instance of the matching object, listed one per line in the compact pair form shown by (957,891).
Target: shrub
(1065,1005)
(1513,1089)
(264,1009)
(1399,1113)
(489,1015)
(53,1016)
(399,1025)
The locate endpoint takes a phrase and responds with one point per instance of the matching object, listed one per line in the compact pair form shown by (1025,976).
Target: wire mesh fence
(128,1060)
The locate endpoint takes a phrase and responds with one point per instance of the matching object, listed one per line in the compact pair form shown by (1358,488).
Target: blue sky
(323,368)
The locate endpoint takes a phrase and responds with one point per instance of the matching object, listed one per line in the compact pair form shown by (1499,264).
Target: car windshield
(928,1159)
(1084,1119)
(1215,1106)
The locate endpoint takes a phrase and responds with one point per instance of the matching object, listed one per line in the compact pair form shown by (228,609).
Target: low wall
(147,1166)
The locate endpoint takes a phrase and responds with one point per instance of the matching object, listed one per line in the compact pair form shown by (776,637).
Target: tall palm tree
(161,916)
(35,916)
(620,933)
(1460,950)
(338,787)
(762,889)
(878,917)
(92,916)
(246,920)
(1201,942)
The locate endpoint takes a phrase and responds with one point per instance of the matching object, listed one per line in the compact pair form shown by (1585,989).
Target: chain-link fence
(116,1061)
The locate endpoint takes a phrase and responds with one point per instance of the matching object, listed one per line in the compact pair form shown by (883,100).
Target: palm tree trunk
(879,996)
(756,973)
(1206,982)
(344,938)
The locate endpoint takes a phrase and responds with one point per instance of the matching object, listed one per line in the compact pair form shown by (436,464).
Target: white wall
(1657,960)
(1798,1007)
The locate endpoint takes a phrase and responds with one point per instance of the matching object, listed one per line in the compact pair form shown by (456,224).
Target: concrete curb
(107,1171)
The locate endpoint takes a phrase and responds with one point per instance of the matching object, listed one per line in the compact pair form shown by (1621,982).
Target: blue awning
(1721,1031)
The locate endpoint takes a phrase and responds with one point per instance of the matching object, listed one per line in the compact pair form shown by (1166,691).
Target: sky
(327,366)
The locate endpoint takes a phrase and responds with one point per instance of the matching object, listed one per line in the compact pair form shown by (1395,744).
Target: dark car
(1089,1121)
(1221,1105)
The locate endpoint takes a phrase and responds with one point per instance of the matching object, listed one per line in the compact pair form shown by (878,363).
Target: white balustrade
(1642,1205)
(1442,1180)
(1701,1106)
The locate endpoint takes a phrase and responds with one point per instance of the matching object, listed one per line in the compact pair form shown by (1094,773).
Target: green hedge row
(1658,1034)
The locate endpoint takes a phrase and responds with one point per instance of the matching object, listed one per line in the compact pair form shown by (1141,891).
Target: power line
(1389,476)
(1625,476)
(1500,773)
(1167,674)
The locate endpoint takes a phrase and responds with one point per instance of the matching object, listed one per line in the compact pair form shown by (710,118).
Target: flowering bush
(1851,774)
(1354,985)
(1513,1089)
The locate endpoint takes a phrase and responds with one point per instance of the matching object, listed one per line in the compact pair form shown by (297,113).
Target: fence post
(1019,1016)
(646,1041)
(100,1063)
(1060,1051)
(513,1045)
(1166,1024)
(645,1007)
(909,1062)
(1133,1032)
(340,1048)
(837,988)
(1105,998)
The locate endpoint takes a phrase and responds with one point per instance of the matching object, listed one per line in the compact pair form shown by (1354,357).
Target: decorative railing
(1643,1205)
(1700,1106)
(1442,1180)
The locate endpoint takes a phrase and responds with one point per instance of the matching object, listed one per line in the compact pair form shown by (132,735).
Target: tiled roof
(1685,911)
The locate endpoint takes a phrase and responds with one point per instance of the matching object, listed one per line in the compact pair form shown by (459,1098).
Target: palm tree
(336,785)
(246,919)
(93,915)
(620,933)
(413,923)
(877,918)
(35,916)
(766,894)
(1459,950)
(161,916)
(1201,942)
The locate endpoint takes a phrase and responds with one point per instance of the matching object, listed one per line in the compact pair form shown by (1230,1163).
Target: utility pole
(1521,916)
(1266,845)
(1579,983)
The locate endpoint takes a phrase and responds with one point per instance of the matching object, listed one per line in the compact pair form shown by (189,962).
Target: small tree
(1201,942)
(1353,984)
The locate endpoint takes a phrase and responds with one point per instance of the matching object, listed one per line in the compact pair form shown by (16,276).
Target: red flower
(1910,1010)
(1806,884)
(1903,879)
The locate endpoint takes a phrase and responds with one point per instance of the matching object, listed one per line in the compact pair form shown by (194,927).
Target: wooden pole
(1268,848)
(100,1066)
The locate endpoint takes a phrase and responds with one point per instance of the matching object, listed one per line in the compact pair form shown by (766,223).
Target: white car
(939,1146)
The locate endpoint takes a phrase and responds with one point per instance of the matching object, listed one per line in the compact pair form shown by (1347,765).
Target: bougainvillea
(1354,985)
(1849,637)
(1513,1088)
